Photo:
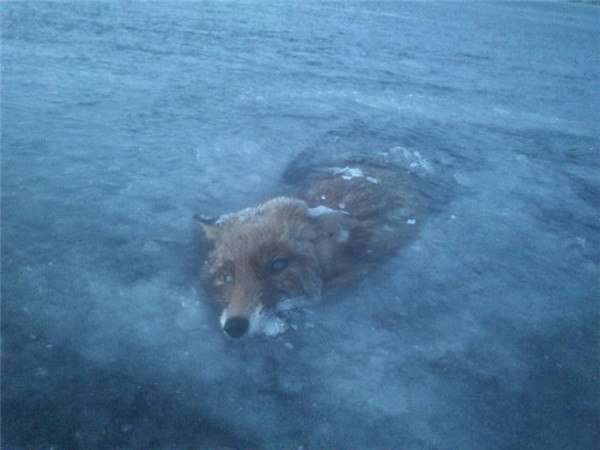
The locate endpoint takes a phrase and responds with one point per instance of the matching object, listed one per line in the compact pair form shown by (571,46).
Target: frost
(413,158)
(342,236)
(320,210)
(272,326)
(348,173)
(239,216)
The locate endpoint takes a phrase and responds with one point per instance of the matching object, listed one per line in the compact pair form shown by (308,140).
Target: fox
(327,231)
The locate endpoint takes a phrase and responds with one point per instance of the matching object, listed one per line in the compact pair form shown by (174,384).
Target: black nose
(236,326)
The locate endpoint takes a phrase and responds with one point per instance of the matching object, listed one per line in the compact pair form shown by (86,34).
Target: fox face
(264,255)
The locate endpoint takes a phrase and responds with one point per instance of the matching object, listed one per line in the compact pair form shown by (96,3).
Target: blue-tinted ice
(122,120)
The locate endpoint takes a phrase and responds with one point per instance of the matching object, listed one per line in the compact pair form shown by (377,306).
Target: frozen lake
(120,121)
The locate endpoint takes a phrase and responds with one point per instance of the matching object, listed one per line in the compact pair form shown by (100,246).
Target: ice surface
(122,120)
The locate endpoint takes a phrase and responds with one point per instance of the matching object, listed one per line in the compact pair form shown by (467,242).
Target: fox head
(264,255)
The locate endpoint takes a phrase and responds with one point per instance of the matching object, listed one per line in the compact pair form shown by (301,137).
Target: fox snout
(237,318)
(239,323)
(243,307)
(235,322)
(236,327)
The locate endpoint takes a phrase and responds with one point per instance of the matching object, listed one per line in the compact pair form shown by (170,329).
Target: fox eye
(278,264)
(226,277)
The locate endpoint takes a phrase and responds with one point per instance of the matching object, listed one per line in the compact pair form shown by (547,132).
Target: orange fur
(342,221)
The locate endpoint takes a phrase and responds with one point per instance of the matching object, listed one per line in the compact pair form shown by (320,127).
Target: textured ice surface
(121,120)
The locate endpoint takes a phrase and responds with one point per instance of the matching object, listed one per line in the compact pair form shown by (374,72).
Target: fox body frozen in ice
(337,223)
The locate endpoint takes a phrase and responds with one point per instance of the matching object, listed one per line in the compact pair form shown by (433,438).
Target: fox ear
(211,231)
